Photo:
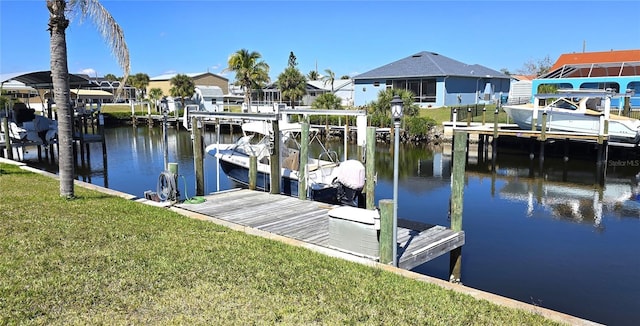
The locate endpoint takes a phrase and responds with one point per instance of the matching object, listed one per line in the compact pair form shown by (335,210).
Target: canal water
(555,235)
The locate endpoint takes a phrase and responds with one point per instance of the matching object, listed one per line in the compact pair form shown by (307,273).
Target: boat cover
(351,173)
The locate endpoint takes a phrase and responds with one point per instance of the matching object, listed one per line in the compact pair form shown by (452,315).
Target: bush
(418,126)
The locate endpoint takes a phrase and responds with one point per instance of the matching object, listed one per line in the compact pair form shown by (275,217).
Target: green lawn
(100,259)
(441,115)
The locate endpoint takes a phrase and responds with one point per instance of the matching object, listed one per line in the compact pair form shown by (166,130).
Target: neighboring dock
(308,221)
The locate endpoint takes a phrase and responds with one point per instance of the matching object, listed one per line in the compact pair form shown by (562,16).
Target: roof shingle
(429,64)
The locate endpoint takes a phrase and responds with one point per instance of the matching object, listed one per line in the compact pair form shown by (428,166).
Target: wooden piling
(253,172)
(304,160)
(274,158)
(198,153)
(457,195)
(484,115)
(468,117)
(346,137)
(370,167)
(543,130)
(386,231)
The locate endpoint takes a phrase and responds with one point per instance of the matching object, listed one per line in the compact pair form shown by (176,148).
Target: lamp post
(396,113)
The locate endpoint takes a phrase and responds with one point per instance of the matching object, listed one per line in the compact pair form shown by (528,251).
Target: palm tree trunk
(60,78)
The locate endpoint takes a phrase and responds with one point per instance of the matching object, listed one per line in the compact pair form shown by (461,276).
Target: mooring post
(370,167)
(198,151)
(304,159)
(627,106)
(173,168)
(346,137)
(468,116)
(386,231)
(253,172)
(484,115)
(7,138)
(543,139)
(274,158)
(457,195)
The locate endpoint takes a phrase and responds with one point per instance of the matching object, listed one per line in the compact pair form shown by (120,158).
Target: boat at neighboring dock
(577,111)
(328,179)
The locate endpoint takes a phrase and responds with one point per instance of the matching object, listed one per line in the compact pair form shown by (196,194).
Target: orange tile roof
(524,77)
(596,57)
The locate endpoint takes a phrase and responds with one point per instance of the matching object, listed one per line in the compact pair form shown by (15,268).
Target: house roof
(42,79)
(596,57)
(524,77)
(192,75)
(337,84)
(430,64)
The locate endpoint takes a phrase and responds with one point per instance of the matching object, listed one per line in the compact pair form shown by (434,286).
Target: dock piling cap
(360,215)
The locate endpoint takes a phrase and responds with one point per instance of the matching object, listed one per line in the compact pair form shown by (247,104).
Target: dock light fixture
(397,107)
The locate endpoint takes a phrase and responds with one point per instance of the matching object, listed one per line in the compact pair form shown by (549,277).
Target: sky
(347,37)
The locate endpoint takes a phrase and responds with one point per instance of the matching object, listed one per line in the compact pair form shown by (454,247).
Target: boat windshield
(564,103)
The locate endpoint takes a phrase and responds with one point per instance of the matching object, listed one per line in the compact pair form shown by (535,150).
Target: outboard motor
(350,182)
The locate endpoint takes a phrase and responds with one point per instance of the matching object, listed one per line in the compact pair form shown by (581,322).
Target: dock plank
(308,221)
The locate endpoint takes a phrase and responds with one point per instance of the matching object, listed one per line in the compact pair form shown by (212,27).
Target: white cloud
(89,71)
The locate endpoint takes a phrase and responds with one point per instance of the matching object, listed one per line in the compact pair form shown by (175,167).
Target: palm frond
(109,30)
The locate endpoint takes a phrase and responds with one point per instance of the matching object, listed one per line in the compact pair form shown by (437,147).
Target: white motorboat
(328,179)
(579,112)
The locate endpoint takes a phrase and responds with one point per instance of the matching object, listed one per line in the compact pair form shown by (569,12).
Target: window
(376,84)
(614,86)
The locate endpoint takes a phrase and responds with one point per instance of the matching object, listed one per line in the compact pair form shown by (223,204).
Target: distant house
(163,82)
(435,81)
(520,89)
(617,70)
(342,88)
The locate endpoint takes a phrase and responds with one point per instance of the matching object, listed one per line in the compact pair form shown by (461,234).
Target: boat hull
(288,186)
(620,129)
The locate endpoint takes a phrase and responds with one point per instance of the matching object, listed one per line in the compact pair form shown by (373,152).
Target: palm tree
(139,81)
(327,101)
(155,94)
(292,84)
(58,24)
(313,75)
(329,78)
(251,73)
(183,86)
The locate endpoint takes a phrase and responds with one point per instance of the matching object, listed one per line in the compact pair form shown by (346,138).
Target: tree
(110,77)
(382,106)
(182,86)
(536,67)
(329,78)
(313,75)
(327,101)
(155,94)
(292,84)
(58,24)
(343,77)
(139,81)
(251,73)
(292,59)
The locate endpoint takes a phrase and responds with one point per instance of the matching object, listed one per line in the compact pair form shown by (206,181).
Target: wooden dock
(308,221)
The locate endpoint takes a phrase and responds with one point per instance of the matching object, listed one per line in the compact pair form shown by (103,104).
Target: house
(617,70)
(342,88)
(163,82)
(435,81)
(520,89)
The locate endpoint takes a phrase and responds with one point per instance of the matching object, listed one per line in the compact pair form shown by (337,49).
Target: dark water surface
(553,237)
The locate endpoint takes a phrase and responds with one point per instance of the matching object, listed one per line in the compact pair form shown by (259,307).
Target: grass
(99,259)
(443,114)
